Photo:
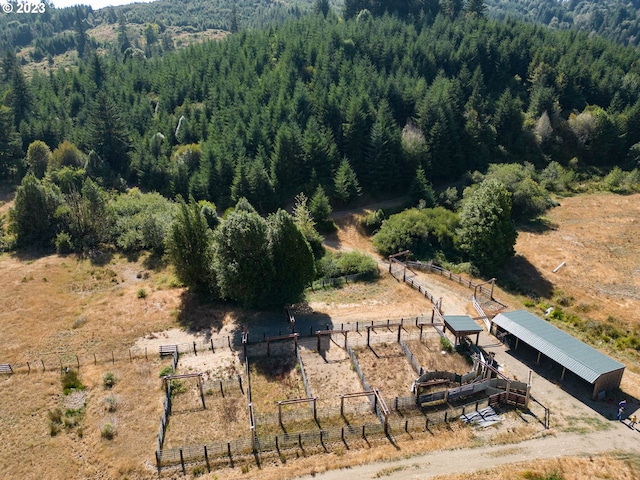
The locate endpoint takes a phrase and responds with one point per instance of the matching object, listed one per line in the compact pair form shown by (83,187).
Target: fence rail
(313,438)
(431,267)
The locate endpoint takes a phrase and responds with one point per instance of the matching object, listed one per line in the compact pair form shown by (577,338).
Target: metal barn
(601,371)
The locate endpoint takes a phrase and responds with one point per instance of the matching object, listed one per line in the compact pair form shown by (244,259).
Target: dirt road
(620,438)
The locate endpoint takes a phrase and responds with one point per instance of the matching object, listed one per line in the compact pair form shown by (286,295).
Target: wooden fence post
(206,458)
(212,349)
(184,472)
(195,352)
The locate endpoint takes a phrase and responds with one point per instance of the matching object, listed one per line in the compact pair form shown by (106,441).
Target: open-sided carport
(462,326)
(601,371)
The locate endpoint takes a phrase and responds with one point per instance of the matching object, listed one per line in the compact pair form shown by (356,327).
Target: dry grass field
(597,237)
(57,307)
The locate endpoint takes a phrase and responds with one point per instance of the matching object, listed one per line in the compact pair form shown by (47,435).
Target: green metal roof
(578,357)
(462,324)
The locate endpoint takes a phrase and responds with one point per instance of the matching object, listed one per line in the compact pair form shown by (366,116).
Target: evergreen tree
(320,210)
(476,8)
(108,135)
(190,248)
(487,232)
(346,185)
(305,222)
(38,158)
(293,262)
(321,7)
(242,259)
(10,144)
(422,190)
(32,218)
(19,97)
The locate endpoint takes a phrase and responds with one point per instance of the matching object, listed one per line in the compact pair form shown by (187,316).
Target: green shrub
(354,262)
(108,431)
(372,221)
(168,370)
(63,243)
(446,344)
(71,381)
(142,293)
(108,380)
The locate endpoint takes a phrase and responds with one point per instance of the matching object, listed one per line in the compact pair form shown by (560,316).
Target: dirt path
(619,439)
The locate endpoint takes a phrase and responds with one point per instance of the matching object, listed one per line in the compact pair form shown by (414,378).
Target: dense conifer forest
(384,99)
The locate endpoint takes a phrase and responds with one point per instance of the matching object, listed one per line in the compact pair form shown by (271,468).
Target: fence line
(314,438)
(166,411)
(480,310)
(304,376)
(356,364)
(60,360)
(411,358)
(431,267)
(332,282)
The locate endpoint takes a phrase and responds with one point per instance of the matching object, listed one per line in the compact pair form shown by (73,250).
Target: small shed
(461,326)
(589,364)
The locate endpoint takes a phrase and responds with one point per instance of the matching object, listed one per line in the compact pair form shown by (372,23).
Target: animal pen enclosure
(222,416)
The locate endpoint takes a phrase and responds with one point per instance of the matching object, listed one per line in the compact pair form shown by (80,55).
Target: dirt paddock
(429,355)
(330,374)
(386,368)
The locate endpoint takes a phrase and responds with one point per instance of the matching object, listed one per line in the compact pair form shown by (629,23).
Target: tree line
(374,105)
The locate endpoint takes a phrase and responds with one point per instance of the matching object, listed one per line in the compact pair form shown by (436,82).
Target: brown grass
(274,379)
(428,353)
(387,369)
(53,305)
(328,380)
(596,235)
(565,468)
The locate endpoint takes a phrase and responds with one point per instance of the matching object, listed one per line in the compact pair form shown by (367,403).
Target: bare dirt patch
(273,379)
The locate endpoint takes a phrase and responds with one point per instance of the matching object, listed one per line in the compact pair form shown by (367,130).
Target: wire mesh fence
(324,437)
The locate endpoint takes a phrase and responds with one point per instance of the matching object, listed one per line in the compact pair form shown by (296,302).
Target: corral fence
(59,360)
(345,279)
(166,411)
(325,438)
(484,288)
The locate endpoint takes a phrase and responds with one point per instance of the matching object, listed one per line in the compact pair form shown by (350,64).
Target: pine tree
(242,258)
(293,262)
(346,185)
(108,135)
(10,144)
(476,8)
(190,247)
(320,210)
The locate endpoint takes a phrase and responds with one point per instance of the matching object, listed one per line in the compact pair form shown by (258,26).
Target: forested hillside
(373,105)
(283,107)
(618,20)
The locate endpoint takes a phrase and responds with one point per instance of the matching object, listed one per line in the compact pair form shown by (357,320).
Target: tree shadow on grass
(538,225)
(197,314)
(519,276)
